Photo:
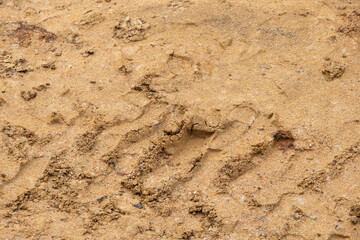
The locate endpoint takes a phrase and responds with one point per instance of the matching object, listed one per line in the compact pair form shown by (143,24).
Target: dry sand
(184,119)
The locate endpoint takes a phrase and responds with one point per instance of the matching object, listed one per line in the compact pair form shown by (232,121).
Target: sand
(184,119)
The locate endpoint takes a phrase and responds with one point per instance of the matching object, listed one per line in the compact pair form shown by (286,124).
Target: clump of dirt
(332,69)
(355,213)
(145,87)
(284,140)
(42,87)
(57,118)
(31,94)
(200,207)
(131,29)
(8,66)
(125,69)
(352,26)
(28,95)
(2,102)
(49,64)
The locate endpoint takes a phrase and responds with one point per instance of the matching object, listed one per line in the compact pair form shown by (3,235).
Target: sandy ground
(184,119)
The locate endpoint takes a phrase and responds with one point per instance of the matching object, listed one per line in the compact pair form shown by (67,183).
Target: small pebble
(354,220)
(139,206)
